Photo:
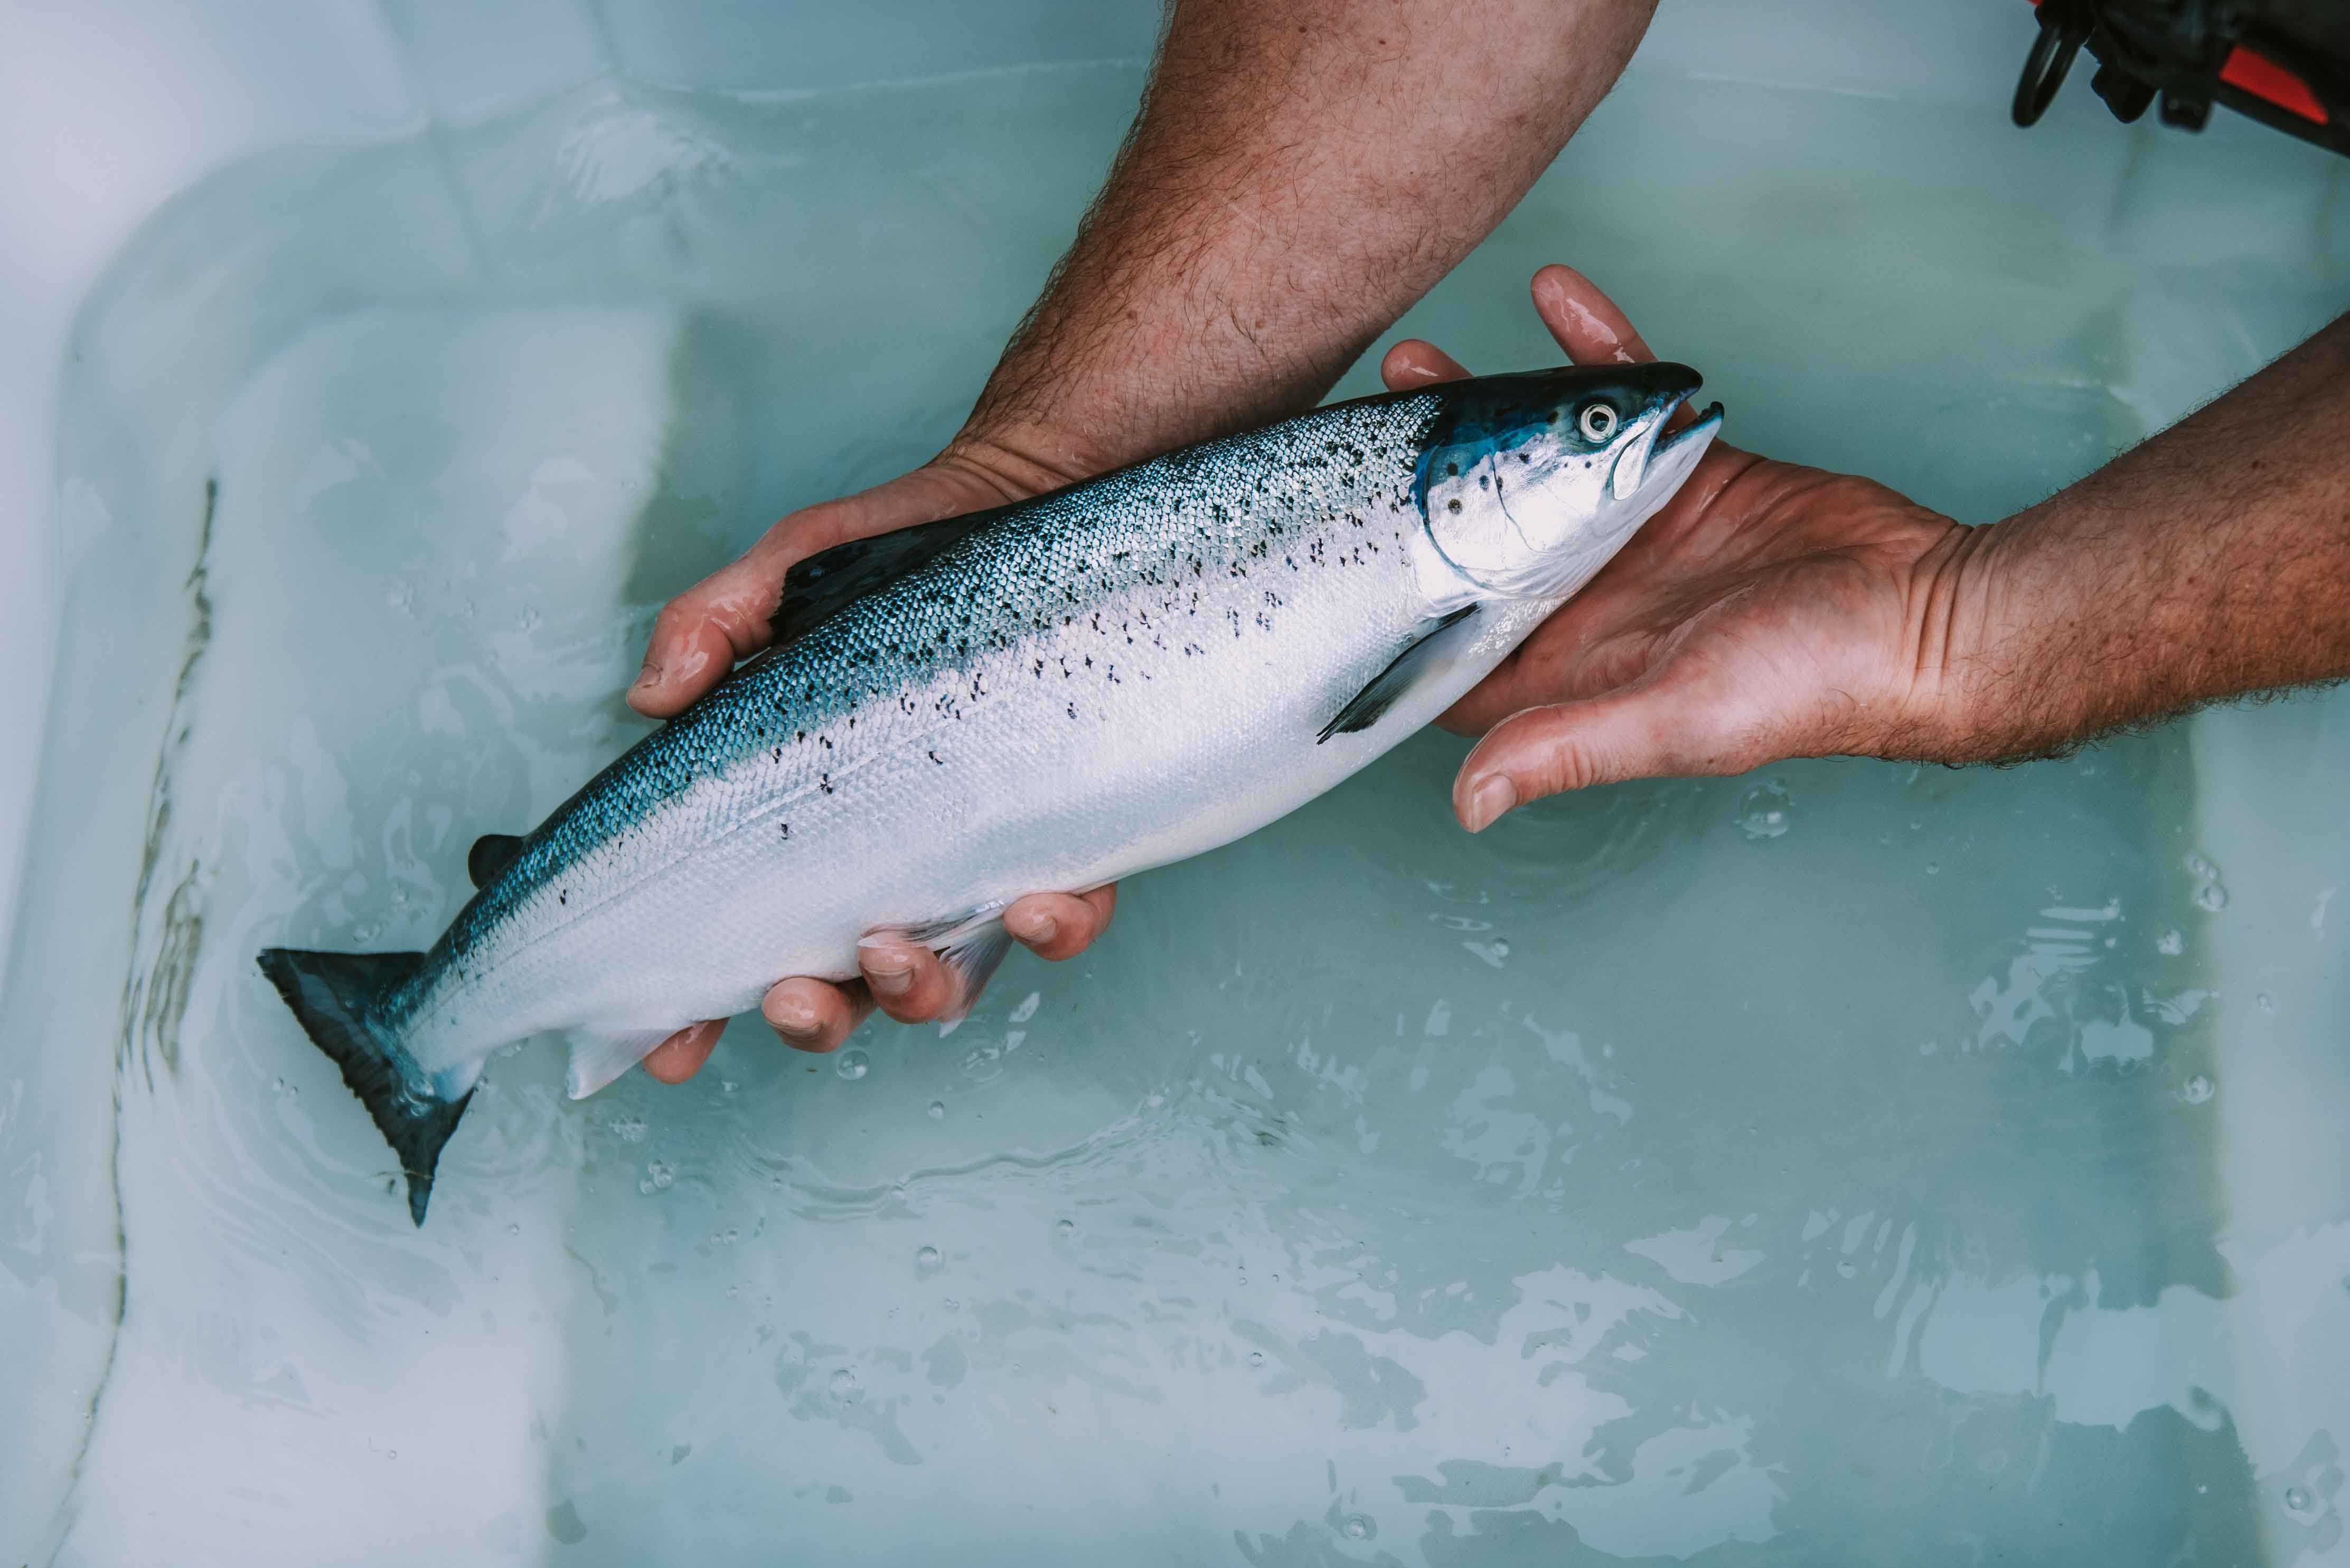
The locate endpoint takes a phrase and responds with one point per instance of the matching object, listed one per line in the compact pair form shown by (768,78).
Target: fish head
(1529,482)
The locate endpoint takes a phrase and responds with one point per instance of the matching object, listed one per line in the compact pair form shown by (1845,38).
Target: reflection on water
(1820,1166)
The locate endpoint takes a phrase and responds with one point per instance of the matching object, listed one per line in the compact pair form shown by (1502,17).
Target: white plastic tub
(1848,1163)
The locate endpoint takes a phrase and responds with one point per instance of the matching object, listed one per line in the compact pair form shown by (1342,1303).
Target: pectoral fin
(1428,652)
(597,1059)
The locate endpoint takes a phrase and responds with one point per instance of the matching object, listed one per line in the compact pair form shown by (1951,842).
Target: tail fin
(338,997)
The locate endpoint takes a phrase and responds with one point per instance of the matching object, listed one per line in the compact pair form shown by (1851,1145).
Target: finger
(812,1015)
(909,981)
(702,632)
(1416,362)
(1060,925)
(1591,329)
(688,650)
(1584,321)
(680,1056)
(1653,729)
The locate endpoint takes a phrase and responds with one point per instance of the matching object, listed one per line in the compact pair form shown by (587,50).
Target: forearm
(1301,172)
(2212,560)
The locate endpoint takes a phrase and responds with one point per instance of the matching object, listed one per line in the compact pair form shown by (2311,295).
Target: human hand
(725,617)
(1770,610)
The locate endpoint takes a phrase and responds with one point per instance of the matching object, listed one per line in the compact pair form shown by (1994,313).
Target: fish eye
(1598,421)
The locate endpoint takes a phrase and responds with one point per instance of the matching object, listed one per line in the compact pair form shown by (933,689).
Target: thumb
(726,616)
(1649,729)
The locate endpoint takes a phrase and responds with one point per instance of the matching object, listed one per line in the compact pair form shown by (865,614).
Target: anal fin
(1422,655)
(597,1059)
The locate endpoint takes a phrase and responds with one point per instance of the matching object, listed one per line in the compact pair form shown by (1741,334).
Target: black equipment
(2285,62)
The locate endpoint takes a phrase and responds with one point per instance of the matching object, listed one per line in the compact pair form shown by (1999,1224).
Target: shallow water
(1825,1165)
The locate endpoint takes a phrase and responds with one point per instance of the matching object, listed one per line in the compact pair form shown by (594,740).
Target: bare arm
(1301,172)
(2210,561)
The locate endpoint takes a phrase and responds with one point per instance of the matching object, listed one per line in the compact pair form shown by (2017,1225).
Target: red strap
(2263,77)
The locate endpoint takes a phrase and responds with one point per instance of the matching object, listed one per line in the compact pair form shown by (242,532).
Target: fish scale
(1050,696)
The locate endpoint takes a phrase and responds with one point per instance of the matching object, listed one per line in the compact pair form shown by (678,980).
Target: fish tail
(339,997)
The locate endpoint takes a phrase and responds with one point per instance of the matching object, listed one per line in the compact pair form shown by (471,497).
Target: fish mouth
(1661,466)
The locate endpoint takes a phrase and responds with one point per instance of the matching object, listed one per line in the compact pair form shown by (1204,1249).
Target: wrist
(1986,638)
(1021,458)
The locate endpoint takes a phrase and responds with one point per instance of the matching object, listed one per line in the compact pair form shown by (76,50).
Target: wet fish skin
(1052,695)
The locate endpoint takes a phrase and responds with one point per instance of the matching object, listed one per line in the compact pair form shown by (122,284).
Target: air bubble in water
(658,1175)
(2197,1089)
(844,1388)
(1066,1229)
(1763,811)
(2170,944)
(938,1110)
(2210,896)
(2266,1003)
(927,1259)
(1359,1527)
(2297,1499)
(1256,1359)
(853,1065)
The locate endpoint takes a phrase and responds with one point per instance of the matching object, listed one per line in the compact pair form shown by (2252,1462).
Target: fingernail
(795,1018)
(1488,801)
(647,677)
(887,969)
(1038,928)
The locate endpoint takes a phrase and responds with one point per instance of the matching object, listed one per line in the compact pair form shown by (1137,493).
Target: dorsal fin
(489,856)
(820,585)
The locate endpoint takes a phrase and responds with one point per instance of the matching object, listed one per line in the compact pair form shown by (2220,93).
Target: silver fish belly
(1111,678)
